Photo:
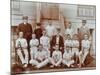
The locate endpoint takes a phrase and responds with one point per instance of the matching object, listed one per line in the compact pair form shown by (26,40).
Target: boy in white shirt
(33,46)
(67,57)
(85,45)
(45,41)
(75,48)
(56,58)
(21,47)
(41,58)
(68,41)
(69,29)
(50,29)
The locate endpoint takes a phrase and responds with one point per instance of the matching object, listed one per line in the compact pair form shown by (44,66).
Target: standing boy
(69,29)
(75,48)
(38,31)
(50,29)
(45,41)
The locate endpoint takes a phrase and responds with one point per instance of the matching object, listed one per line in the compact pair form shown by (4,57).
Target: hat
(38,24)
(25,17)
(69,22)
(58,29)
(67,46)
(83,21)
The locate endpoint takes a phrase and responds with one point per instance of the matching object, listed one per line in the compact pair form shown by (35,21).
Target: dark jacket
(26,29)
(61,43)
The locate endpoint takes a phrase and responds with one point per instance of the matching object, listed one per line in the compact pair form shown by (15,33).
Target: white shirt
(57,55)
(84,30)
(50,30)
(22,42)
(45,41)
(39,55)
(67,55)
(46,53)
(86,44)
(68,43)
(34,42)
(75,43)
(57,39)
(69,31)
(42,54)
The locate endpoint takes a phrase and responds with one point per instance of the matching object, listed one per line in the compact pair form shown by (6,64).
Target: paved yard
(91,64)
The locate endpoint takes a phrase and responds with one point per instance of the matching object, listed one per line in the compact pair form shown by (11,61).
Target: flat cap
(83,21)
(25,17)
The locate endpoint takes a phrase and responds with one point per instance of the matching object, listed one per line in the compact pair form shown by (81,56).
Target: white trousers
(33,51)
(55,63)
(39,64)
(68,62)
(46,47)
(75,51)
(83,55)
(23,60)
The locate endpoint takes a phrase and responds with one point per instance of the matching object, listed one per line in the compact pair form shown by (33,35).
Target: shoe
(52,66)
(80,66)
(72,65)
(25,66)
(32,64)
(59,65)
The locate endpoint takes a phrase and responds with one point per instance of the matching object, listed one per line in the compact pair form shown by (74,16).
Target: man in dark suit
(38,31)
(84,29)
(57,40)
(26,28)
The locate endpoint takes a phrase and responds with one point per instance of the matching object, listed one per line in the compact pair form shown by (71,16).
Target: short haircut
(40,45)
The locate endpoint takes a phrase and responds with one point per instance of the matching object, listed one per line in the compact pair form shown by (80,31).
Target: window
(86,11)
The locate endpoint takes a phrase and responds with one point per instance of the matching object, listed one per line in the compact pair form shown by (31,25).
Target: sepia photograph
(52,37)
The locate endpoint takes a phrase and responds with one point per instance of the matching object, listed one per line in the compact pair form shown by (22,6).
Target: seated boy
(67,57)
(56,58)
(41,58)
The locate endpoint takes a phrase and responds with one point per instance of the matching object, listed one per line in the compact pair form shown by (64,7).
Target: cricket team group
(47,46)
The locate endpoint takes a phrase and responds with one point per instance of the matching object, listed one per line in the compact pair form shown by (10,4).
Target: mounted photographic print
(52,37)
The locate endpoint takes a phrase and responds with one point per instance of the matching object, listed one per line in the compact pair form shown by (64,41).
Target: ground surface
(90,64)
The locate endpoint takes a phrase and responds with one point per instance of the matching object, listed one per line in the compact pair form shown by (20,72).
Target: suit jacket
(38,33)
(82,31)
(26,29)
(61,43)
